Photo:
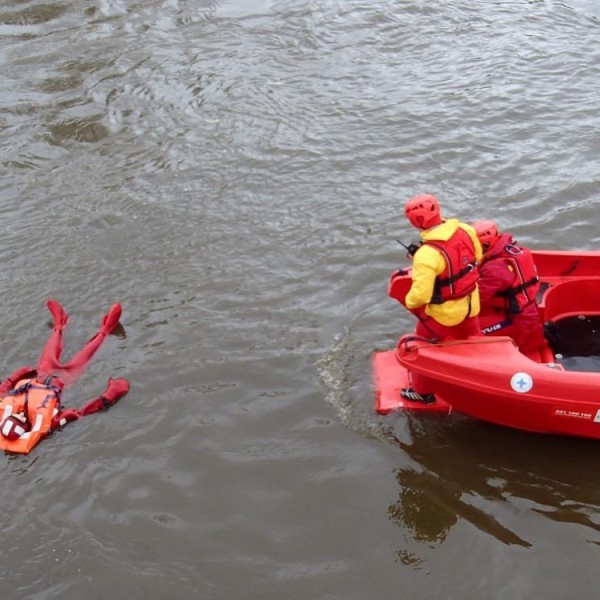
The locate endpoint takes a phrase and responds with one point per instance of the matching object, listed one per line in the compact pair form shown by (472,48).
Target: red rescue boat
(555,389)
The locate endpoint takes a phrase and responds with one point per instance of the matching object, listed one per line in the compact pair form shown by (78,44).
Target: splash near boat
(553,389)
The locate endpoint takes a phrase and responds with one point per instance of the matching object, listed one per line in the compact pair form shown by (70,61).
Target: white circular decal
(521,382)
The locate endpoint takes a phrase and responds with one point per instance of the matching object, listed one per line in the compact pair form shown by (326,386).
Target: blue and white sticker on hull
(521,382)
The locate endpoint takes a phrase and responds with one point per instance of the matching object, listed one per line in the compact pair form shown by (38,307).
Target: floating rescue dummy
(30,399)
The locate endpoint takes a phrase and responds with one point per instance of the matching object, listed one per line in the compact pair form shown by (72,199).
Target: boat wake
(348,384)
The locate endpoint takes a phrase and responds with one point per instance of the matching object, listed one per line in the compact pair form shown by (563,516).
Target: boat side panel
(493,382)
(567,264)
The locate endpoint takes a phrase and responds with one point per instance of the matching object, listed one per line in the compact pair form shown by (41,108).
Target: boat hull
(488,378)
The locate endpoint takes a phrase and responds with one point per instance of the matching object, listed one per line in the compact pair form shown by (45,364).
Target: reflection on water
(491,477)
(427,505)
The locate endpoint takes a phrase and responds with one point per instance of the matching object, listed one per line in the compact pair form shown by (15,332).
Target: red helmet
(487,232)
(14,426)
(423,211)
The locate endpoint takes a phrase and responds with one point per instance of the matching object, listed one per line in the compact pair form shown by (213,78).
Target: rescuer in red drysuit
(30,406)
(509,283)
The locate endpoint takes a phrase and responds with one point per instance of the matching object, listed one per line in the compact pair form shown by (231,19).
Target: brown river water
(233,172)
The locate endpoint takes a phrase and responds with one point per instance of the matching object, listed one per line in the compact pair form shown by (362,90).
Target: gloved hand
(403,271)
(68,415)
(115,389)
(65,416)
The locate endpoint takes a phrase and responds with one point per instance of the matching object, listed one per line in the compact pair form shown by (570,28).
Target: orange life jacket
(526,281)
(459,278)
(39,402)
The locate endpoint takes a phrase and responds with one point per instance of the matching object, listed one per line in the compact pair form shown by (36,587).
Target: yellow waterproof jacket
(429,263)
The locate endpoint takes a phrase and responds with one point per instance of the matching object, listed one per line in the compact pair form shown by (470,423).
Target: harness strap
(24,389)
(514,291)
(443,282)
(437,298)
(450,280)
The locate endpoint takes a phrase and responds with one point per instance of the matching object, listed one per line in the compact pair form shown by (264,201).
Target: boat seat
(571,298)
(571,313)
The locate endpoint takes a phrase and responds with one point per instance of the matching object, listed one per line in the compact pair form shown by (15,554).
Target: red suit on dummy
(30,407)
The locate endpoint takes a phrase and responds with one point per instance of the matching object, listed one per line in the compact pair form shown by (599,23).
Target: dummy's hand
(68,415)
(63,417)
(115,389)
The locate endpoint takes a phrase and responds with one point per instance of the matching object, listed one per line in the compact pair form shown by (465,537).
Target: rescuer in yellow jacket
(443,294)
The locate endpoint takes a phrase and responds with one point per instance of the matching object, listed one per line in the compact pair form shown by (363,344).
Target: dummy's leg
(74,367)
(49,360)
(115,389)
(80,360)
